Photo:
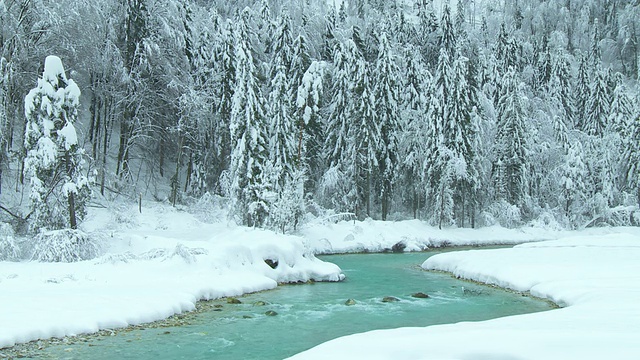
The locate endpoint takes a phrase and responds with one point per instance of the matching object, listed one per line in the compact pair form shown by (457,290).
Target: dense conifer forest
(465,114)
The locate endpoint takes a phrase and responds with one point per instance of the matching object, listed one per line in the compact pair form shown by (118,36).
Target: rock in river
(420,295)
(271,313)
(232,300)
(387,299)
(350,302)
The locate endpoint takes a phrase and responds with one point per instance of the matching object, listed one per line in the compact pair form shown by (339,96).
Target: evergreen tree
(249,178)
(572,183)
(597,106)
(511,141)
(581,93)
(54,161)
(562,72)
(507,52)
(622,107)
(414,95)
(448,40)
(281,46)
(367,135)
(388,117)
(282,144)
(339,180)
(632,159)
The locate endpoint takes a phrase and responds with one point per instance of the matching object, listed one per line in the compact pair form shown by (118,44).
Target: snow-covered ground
(596,278)
(162,261)
(156,264)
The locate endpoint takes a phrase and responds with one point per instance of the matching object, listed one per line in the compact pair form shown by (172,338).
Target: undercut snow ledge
(597,278)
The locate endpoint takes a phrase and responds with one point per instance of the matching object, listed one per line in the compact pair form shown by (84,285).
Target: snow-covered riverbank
(596,278)
(157,264)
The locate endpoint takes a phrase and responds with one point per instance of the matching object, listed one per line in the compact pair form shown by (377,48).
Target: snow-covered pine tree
(562,71)
(338,183)
(597,106)
(426,31)
(572,183)
(386,95)
(328,36)
(367,134)
(308,129)
(280,110)
(631,163)
(414,97)
(225,60)
(248,132)
(511,140)
(448,38)
(507,52)
(459,137)
(281,46)
(435,149)
(622,109)
(266,26)
(53,165)
(308,102)
(581,93)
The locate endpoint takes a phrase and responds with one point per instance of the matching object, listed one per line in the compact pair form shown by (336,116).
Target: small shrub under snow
(66,245)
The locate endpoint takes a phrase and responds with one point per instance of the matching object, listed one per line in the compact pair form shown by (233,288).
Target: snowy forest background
(473,114)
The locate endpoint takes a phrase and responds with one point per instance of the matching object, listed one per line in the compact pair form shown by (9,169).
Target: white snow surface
(596,278)
(157,264)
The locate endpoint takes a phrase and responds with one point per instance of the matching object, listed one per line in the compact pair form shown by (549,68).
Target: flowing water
(308,315)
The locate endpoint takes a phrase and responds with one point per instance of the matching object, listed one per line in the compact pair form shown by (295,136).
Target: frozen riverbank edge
(162,262)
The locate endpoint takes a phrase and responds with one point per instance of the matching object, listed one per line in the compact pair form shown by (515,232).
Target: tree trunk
(414,203)
(441,207)
(72,212)
(71,199)
(187,181)
(175,179)
(368,193)
(464,209)
(473,214)
(161,165)
(121,165)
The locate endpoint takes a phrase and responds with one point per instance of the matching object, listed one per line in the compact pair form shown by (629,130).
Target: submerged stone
(247,316)
(259,303)
(350,302)
(420,295)
(232,300)
(271,313)
(387,299)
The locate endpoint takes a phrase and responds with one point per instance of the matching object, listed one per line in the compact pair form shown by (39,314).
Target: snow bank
(377,236)
(161,266)
(597,278)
